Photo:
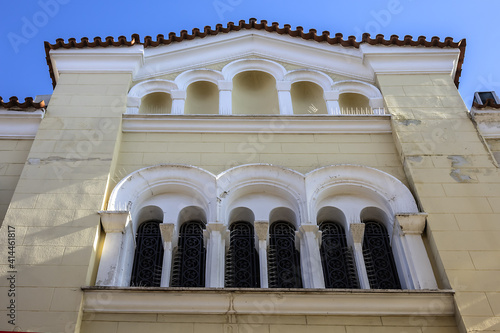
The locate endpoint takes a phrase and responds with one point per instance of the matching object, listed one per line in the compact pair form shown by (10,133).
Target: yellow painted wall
(54,207)
(457,184)
(219,152)
(13,155)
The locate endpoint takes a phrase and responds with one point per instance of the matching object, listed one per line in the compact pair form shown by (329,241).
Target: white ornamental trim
(276,302)
(20,124)
(367,124)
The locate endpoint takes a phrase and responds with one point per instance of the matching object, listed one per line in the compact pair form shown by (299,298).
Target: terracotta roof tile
(14,104)
(254,24)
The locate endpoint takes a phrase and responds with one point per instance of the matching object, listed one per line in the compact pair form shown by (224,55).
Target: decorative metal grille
(146,271)
(283,258)
(339,269)
(188,269)
(379,261)
(242,259)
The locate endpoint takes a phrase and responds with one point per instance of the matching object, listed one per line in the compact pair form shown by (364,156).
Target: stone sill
(299,124)
(268,301)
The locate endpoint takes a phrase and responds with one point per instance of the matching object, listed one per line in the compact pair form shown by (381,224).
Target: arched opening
(241,214)
(192,213)
(148,259)
(379,259)
(307,98)
(202,97)
(156,103)
(242,259)
(283,257)
(339,269)
(254,92)
(351,103)
(188,269)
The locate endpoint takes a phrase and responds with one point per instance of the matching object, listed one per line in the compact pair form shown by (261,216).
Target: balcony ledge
(270,301)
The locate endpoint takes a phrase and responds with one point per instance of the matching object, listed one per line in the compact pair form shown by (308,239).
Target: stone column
(410,227)
(225,97)
(332,102)
(357,232)
(310,257)
(216,250)
(178,101)
(116,262)
(377,105)
(284,97)
(167,233)
(261,229)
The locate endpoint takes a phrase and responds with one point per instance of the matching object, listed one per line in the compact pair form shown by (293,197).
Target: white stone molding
(284,97)
(261,188)
(20,124)
(116,261)
(178,101)
(225,97)
(244,65)
(216,250)
(371,92)
(97,60)
(204,301)
(357,231)
(410,228)
(142,89)
(348,124)
(310,75)
(310,257)
(488,122)
(262,232)
(184,79)
(410,60)
(167,236)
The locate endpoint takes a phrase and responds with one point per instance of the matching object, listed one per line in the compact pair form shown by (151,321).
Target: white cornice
(410,59)
(203,52)
(271,302)
(126,59)
(257,124)
(19,124)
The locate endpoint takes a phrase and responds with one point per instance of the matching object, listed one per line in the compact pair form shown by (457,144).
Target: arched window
(156,103)
(339,269)
(148,259)
(242,259)
(379,259)
(283,257)
(189,261)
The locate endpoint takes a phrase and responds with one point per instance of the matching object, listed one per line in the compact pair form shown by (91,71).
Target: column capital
(261,229)
(358,232)
(313,228)
(411,223)
(114,220)
(178,94)
(167,231)
(216,227)
(283,85)
(225,85)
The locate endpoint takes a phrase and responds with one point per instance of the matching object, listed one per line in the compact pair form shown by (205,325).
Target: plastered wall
(457,184)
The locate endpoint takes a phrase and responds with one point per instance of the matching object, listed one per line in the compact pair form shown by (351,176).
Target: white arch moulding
(359,87)
(390,196)
(310,75)
(142,89)
(244,65)
(184,79)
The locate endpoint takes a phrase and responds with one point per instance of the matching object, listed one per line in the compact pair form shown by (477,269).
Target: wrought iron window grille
(283,257)
(148,259)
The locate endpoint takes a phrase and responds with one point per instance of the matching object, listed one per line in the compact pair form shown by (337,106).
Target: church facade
(251,178)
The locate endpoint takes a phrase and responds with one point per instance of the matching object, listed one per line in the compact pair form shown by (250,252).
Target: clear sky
(26,24)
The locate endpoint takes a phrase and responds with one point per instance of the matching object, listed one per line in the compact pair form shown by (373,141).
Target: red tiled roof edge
(14,103)
(253,24)
(490,103)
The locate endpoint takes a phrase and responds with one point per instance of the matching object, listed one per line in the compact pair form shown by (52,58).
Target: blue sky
(27,24)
